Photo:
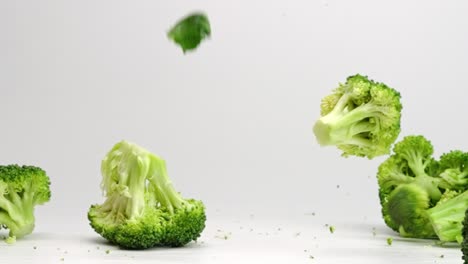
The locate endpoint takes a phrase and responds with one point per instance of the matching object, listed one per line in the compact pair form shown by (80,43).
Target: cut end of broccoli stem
(322,133)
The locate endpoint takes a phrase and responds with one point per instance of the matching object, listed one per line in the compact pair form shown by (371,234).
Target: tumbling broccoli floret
(21,189)
(142,209)
(421,197)
(360,117)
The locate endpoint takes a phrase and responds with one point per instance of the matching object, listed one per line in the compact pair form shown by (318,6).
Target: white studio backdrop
(232,119)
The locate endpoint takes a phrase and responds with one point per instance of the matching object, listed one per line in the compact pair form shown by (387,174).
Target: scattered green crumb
(441,256)
(202,242)
(10,240)
(305,250)
(62,259)
(279,228)
(311,257)
(297,234)
(326,225)
(35,247)
(338,186)
(107,251)
(374,231)
(332,229)
(389,241)
(98,248)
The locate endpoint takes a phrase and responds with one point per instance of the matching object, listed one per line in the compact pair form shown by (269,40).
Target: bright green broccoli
(190,31)
(422,197)
(360,117)
(21,189)
(448,214)
(142,208)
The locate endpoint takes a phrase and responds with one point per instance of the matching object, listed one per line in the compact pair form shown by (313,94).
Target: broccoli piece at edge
(21,189)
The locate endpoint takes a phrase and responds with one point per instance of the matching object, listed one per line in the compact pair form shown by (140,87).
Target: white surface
(246,240)
(233,119)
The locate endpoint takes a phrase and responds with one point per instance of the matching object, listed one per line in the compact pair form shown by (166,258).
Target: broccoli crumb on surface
(389,241)
(374,231)
(107,251)
(332,229)
(34,247)
(311,257)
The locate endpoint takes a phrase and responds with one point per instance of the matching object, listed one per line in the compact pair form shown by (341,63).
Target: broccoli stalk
(447,217)
(361,117)
(347,127)
(21,189)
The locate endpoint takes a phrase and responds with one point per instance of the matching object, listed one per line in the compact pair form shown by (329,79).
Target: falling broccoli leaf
(189,32)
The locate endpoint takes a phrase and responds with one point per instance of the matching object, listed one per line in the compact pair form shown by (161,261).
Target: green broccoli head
(454,170)
(21,189)
(408,187)
(407,207)
(360,117)
(142,208)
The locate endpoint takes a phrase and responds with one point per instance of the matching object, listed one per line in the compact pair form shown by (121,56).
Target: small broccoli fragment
(332,229)
(389,241)
(21,189)
(360,117)
(190,31)
(142,208)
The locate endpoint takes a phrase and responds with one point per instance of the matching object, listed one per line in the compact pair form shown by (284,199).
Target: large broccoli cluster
(142,209)
(423,197)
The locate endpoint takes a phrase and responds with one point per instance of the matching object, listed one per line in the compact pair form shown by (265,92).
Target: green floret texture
(190,31)
(142,209)
(361,117)
(464,245)
(420,196)
(21,189)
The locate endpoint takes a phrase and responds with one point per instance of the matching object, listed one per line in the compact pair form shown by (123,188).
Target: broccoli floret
(190,31)
(448,214)
(142,208)
(21,189)
(360,117)
(422,197)
(405,188)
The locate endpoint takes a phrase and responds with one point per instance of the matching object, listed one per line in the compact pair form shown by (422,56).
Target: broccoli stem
(165,193)
(447,218)
(343,126)
(18,215)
